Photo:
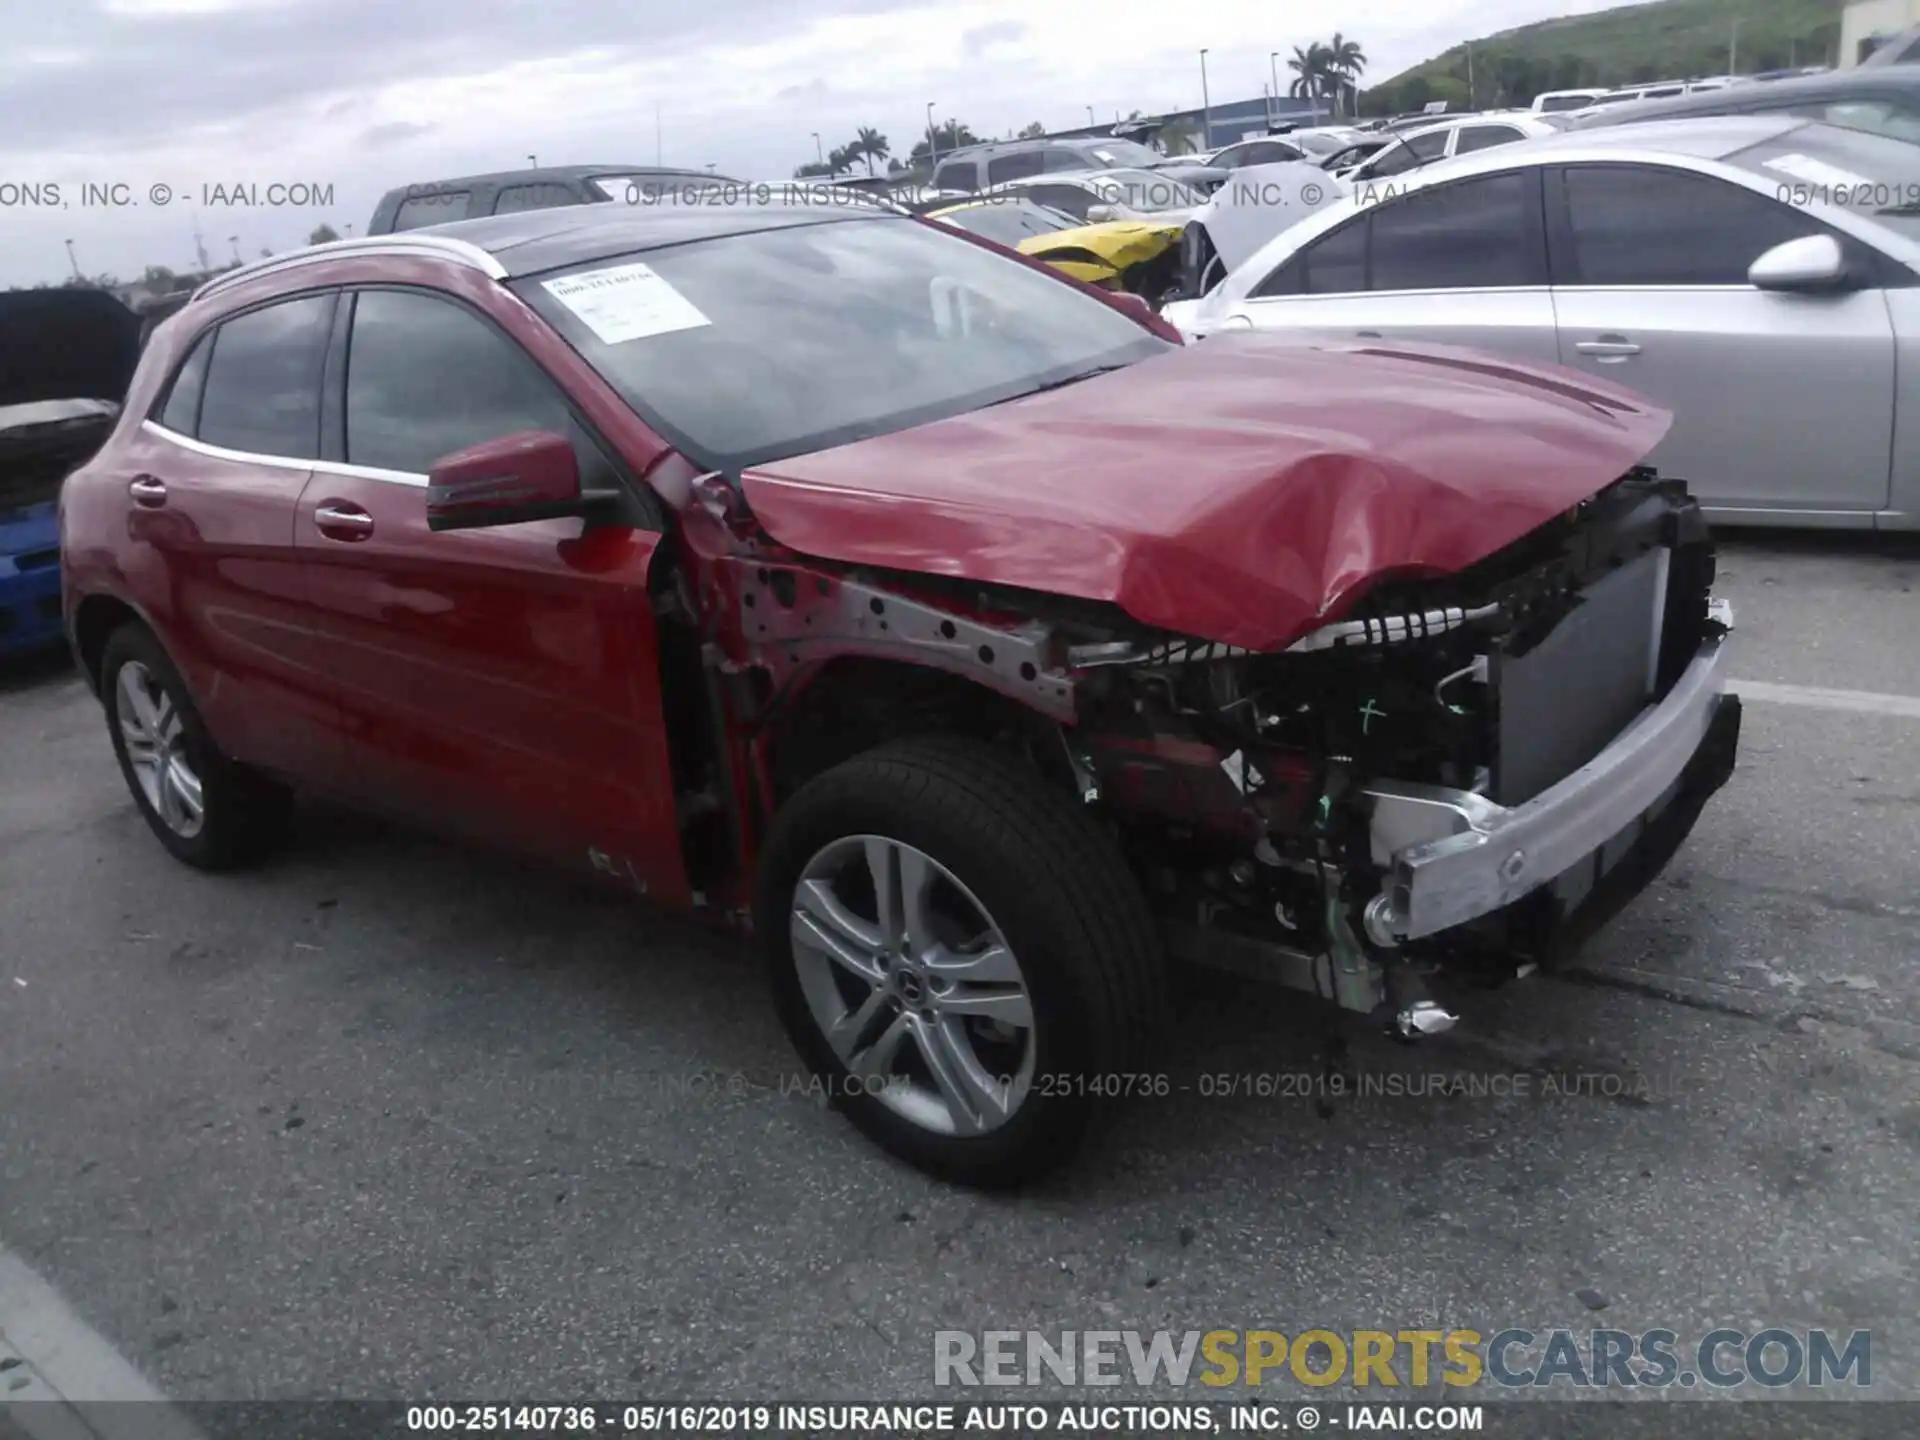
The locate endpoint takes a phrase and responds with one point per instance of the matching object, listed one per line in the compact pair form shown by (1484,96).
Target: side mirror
(1813,262)
(1100,214)
(531,475)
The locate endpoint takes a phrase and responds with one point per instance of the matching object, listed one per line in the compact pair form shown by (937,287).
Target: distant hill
(1669,39)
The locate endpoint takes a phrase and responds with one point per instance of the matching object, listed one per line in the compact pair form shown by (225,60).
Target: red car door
(503,682)
(212,488)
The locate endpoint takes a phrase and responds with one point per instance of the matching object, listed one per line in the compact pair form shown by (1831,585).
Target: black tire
(1059,891)
(244,813)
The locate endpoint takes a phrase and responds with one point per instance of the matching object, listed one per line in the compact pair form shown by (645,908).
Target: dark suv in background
(436,202)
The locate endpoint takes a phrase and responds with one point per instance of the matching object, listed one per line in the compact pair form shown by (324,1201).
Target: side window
(514,198)
(262,389)
(1070,198)
(1410,154)
(1483,137)
(1269,152)
(1016,166)
(182,412)
(1060,160)
(956,175)
(1640,225)
(1335,264)
(439,208)
(426,377)
(1472,234)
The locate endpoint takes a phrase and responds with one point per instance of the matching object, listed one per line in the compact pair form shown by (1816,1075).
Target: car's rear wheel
(960,955)
(206,809)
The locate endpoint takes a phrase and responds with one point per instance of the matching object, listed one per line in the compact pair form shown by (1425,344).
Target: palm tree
(1345,61)
(871,144)
(840,158)
(1309,68)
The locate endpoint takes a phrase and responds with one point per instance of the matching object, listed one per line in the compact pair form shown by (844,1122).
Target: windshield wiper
(1066,380)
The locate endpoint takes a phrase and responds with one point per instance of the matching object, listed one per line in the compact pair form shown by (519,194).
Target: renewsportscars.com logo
(1388,1359)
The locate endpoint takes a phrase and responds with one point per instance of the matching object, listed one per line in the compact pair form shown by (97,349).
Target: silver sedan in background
(1759,276)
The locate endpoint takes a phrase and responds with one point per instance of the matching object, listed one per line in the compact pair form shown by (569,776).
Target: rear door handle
(148,491)
(342,520)
(1608,347)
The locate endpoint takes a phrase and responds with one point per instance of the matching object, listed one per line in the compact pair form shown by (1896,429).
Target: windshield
(1008,222)
(1143,190)
(1871,176)
(1124,152)
(747,348)
(1578,100)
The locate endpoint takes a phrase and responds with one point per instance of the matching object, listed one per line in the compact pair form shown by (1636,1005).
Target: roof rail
(439,247)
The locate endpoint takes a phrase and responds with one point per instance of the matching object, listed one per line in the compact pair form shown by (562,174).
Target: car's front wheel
(962,958)
(206,809)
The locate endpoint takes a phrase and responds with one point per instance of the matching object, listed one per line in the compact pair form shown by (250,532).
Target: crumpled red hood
(1244,489)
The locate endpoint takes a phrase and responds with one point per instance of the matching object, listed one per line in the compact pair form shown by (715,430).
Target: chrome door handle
(1613,347)
(148,491)
(340,521)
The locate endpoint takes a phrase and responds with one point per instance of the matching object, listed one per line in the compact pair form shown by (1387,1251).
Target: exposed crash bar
(1456,856)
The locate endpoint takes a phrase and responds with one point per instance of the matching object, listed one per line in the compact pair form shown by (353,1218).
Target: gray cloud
(396,131)
(143,76)
(982,38)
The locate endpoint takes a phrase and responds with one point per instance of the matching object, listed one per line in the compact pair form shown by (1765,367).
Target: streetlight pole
(1090,119)
(1206,107)
(534,161)
(819,149)
(73,262)
(1273,73)
(1733,48)
(933,141)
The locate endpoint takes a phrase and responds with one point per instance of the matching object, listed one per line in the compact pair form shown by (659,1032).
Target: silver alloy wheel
(156,749)
(913,985)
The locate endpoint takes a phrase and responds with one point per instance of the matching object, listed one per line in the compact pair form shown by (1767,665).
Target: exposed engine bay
(42,441)
(1437,779)
(1259,793)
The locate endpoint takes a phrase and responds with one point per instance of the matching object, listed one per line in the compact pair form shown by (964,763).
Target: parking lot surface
(391,1118)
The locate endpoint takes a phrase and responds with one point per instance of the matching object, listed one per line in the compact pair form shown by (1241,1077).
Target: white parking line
(1864,702)
(62,1358)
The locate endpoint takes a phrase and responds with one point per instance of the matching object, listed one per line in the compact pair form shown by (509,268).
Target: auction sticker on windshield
(626,302)
(1815,172)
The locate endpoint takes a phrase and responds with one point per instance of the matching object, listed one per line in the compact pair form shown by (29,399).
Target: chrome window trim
(284,462)
(416,245)
(1441,291)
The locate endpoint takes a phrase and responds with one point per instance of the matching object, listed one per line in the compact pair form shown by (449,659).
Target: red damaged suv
(985,651)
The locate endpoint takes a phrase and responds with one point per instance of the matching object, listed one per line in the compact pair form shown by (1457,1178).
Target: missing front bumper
(1453,857)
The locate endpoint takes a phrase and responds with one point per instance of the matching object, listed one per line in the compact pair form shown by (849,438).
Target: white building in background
(1865,25)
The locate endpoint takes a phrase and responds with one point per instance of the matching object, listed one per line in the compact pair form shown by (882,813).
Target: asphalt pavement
(390,1118)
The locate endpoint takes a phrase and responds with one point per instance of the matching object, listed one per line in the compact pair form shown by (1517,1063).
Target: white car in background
(1255,204)
(1758,276)
(1461,135)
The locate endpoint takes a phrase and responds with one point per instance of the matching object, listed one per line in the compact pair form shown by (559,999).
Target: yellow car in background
(1138,256)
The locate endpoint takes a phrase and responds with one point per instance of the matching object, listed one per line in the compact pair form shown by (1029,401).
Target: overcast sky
(364,95)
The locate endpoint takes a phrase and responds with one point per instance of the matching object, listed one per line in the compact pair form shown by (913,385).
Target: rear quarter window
(438,208)
(957,175)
